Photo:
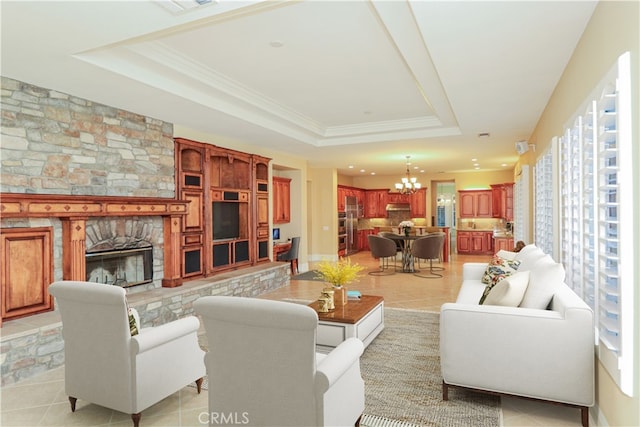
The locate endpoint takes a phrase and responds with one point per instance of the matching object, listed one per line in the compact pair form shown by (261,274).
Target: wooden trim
(13,205)
(74,211)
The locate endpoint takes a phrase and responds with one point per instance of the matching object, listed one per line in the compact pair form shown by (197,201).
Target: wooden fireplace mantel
(74,211)
(13,205)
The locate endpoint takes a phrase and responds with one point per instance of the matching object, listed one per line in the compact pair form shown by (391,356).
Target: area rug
(403,383)
(308,275)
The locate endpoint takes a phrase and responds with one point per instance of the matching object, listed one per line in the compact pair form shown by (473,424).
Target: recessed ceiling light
(276,43)
(350,166)
(373,173)
(504,164)
(362,170)
(474,160)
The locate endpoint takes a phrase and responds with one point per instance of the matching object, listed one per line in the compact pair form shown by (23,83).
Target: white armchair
(107,366)
(264,370)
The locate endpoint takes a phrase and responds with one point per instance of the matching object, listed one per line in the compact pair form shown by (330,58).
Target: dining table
(407,255)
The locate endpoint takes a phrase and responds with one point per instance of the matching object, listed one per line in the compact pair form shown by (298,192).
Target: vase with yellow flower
(339,274)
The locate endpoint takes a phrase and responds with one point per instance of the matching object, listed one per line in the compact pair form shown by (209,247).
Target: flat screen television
(276,234)
(226,220)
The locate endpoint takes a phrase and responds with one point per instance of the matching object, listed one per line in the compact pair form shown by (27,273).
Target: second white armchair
(264,370)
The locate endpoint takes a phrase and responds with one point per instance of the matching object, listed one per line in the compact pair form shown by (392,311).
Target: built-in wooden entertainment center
(227,222)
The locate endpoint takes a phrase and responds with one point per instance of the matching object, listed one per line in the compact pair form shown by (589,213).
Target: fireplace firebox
(123,267)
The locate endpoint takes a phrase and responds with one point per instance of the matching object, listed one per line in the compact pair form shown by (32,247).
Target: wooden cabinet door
(263,211)
(483,204)
(504,244)
(478,242)
(467,205)
(26,270)
(418,202)
(464,242)
(376,202)
(496,200)
(508,201)
(342,194)
(281,200)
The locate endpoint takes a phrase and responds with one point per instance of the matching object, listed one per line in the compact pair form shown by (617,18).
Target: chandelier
(408,185)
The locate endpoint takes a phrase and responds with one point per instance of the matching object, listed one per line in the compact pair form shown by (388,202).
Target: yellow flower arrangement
(339,273)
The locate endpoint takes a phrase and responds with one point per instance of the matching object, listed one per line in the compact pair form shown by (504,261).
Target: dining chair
(383,248)
(428,248)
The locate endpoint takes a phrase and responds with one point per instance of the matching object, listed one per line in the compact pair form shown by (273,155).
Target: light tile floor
(41,401)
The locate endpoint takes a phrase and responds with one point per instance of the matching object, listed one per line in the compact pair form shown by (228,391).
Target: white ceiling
(341,83)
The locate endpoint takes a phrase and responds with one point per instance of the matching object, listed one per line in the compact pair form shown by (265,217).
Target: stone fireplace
(126,252)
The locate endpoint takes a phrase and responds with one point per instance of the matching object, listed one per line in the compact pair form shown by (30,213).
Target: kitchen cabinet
(508,201)
(342,194)
(475,203)
(475,242)
(418,202)
(375,203)
(363,240)
(502,243)
(502,201)
(398,198)
(281,200)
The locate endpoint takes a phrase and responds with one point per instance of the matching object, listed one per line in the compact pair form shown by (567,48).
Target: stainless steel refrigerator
(351,209)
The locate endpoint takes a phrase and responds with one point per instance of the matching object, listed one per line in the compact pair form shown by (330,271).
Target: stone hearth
(34,344)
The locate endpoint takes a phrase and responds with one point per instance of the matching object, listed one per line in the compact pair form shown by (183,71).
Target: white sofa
(544,353)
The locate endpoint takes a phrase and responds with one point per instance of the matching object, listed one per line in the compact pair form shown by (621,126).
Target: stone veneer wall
(41,349)
(54,143)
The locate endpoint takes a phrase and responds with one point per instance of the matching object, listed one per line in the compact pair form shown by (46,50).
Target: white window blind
(543,184)
(521,206)
(596,209)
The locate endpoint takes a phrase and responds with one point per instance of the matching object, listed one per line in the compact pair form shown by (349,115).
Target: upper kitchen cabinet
(281,200)
(418,202)
(475,203)
(502,201)
(375,203)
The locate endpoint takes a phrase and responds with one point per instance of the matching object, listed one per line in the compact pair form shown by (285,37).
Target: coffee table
(362,319)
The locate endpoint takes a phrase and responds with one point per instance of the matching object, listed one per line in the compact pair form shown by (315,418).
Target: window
(543,183)
(596,209)
(521,205)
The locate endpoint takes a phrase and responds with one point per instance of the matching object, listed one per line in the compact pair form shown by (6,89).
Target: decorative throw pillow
(498,269)
(133,323)
(528,256)
(510,291)
(546,276)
